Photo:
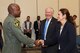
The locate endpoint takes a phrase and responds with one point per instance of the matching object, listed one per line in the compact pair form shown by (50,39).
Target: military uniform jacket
(13,36)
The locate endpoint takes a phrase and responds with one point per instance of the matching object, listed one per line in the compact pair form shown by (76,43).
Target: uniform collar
(11,16)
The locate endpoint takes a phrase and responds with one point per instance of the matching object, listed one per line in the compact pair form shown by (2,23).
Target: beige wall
(42,4)
(28,8)
(3,8)
(37,7)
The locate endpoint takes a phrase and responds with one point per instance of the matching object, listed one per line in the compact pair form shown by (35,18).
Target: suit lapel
(49,27)
(43,25)
(64,28)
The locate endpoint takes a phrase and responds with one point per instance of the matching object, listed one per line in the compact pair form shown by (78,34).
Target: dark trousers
(37,35)
(28,34)
(51,49)
(58,51)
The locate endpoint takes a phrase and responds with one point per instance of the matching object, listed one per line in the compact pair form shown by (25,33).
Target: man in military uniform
(13,36)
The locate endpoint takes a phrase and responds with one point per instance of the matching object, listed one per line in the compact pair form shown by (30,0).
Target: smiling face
(60,16)
(48,13)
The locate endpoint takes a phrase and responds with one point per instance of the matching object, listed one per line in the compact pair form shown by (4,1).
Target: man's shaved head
(13,9)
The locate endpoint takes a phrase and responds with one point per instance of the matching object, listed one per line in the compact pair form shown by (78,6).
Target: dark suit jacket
(36,26)
(67,38)
(51,38)
(37,31)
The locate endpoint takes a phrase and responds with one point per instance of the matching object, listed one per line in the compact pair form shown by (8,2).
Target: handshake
(39,43)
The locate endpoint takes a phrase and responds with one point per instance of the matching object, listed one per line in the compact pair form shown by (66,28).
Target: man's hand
(37,43)
(42,42)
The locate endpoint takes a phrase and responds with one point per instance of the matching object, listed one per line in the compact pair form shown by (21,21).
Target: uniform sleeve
(19,34)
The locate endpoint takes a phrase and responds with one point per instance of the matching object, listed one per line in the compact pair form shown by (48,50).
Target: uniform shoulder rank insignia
(17,23)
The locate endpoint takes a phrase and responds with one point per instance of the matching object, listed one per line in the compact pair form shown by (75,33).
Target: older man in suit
(48,33)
